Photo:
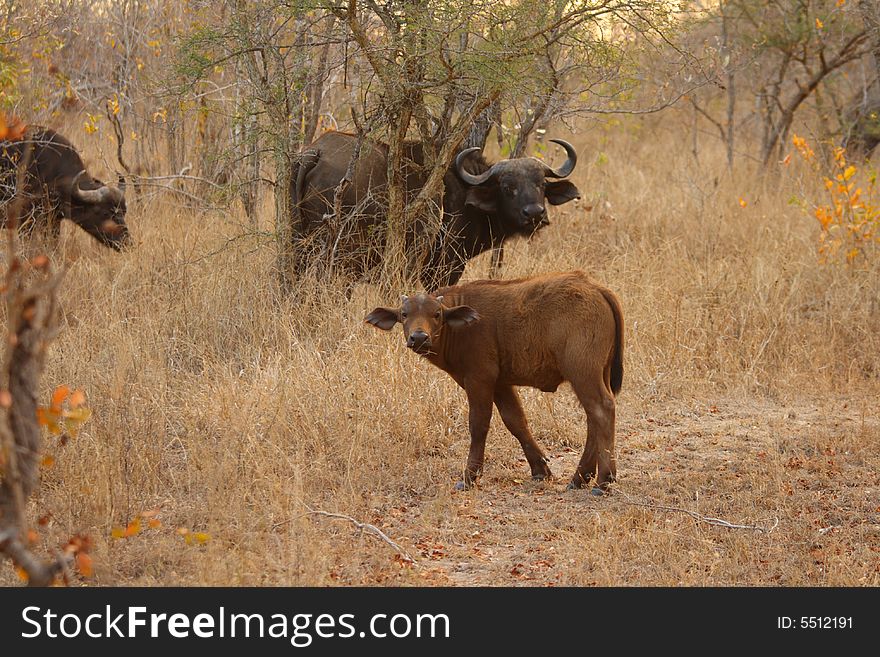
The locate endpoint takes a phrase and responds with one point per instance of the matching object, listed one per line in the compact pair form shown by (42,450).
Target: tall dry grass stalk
(232,409)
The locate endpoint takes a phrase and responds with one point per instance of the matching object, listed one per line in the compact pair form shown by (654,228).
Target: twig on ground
(364,526)
(718,522)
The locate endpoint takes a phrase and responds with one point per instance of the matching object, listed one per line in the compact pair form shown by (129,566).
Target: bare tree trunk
(31,315)
(482,126)
(727,60)
(246,146)
(284,229)
(870,11)
(776,132)
(394,258)
(315,87)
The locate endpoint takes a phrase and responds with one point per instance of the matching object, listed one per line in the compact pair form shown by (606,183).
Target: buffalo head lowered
(99,209)
(57,186)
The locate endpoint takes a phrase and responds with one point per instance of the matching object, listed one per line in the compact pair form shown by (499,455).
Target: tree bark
(870,11)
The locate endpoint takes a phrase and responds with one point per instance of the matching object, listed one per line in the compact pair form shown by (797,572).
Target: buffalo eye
(437,314)
(403,315)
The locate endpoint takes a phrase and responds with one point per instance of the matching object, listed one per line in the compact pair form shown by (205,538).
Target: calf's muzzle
(418,341)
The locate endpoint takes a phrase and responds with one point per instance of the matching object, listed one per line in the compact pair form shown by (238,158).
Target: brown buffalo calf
(493,335)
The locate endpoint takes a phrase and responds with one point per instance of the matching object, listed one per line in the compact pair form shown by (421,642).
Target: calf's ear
(561,191)
(383,318)
(460,316)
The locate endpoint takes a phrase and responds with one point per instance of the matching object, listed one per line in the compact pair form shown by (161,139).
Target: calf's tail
(617,357)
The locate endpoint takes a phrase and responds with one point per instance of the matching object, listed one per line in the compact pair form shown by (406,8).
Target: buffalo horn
(93,195)
(469,178)
(567,166)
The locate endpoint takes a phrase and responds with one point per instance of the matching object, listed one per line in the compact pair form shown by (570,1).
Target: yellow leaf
(74,419)
(742,202)
(117,532)
(49,419)
(849,172)
(819,24)
(202,537)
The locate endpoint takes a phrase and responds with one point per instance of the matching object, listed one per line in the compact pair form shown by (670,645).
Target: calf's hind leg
(514,418)
(598,461)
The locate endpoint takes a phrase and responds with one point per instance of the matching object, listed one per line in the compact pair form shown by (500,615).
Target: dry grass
(749,395)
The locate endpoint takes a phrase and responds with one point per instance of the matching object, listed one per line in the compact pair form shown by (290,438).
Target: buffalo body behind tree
(483,204)
(57,186)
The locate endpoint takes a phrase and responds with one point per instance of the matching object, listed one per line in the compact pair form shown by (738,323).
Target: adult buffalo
(483,204)
(57,186)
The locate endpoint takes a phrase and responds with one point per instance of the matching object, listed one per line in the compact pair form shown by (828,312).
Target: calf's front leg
(479,417)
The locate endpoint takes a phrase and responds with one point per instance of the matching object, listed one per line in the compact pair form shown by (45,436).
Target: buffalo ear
(483,197)
(561,191)
(460,316)
(383,318)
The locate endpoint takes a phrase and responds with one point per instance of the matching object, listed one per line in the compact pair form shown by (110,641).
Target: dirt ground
(768,492)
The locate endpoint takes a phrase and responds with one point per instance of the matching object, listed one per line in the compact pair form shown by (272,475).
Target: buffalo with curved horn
(483,205)
(57,186)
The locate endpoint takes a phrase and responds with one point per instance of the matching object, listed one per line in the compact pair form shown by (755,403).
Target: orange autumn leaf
(22,574)
(50,419)
(48,461)
(84,564)
(61,393)
(77,399)
(12,128)
(154,523)
(134,527)
(39,262)
(742,202)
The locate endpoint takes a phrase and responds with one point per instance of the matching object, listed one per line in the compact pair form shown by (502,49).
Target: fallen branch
(365,526)
(39,573)
(718,522)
